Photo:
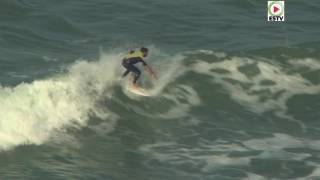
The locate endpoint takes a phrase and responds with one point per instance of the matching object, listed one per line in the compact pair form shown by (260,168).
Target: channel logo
(275,10)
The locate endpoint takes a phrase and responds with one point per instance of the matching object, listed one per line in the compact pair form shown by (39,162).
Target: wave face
(237,97)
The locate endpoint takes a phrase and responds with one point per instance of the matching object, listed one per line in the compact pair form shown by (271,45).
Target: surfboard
(138,91)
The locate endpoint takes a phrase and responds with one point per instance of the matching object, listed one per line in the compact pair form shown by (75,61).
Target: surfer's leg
(127,66)
(137,74)
(136,77)
(126,73)
(131,68)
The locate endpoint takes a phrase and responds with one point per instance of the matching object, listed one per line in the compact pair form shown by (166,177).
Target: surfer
(134,57)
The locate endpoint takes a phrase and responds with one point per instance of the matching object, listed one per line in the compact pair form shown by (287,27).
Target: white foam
(310,63)
(280,141)
(223,160)
(173,153)
(49,59)
(289,84)
(180,100)
(208,52)
(207,156)
(277,142)
(31,112)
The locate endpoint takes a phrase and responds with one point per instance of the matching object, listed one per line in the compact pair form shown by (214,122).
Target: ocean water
(237,97)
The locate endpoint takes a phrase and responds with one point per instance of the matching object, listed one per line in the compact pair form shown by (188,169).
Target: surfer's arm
(149,70)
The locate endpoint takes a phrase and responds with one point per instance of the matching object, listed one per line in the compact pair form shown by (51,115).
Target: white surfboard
(138,91)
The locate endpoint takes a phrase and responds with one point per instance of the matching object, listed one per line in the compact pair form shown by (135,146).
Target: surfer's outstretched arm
(150,71)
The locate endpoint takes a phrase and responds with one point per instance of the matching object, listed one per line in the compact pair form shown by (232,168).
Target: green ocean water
(237,97)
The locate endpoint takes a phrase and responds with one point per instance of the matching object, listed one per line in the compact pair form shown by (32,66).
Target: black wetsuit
(129,62)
